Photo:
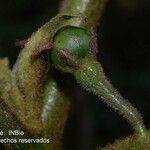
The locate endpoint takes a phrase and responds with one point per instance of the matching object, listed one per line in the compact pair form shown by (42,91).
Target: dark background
(124,51)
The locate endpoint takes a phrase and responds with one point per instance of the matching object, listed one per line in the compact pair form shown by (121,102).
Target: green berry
(75,40)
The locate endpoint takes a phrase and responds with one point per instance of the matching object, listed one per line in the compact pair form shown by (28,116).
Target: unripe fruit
(75,40)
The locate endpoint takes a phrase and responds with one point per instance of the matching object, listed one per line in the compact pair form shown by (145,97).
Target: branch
(129,143)
(89,11)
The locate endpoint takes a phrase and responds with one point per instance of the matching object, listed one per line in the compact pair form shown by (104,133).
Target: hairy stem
(91,76)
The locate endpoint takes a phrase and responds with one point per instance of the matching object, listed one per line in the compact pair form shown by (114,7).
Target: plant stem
(55,111)
(91,76)
(90,11)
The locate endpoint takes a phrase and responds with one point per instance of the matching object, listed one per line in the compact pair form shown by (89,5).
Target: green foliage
(30,93)
(56,105)
(21,91)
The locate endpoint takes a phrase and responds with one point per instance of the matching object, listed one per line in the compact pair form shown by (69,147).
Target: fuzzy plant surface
(132,142)
(32,96)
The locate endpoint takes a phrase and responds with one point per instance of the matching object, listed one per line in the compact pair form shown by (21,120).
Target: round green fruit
(75,40)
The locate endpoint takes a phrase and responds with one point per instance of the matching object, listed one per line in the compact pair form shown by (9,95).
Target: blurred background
(124,51)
